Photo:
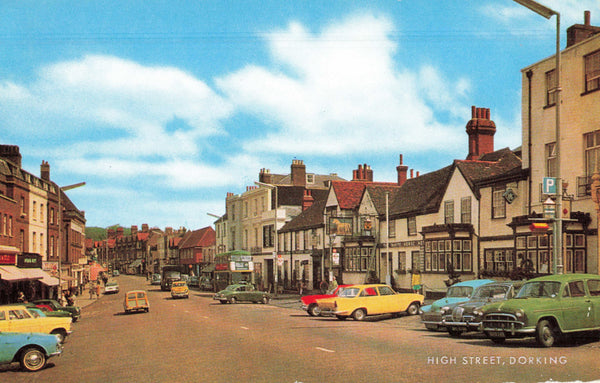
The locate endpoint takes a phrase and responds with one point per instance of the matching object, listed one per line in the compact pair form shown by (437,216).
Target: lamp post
(60,215)
(275,242)
(557,254)
(220,247)
(331,241)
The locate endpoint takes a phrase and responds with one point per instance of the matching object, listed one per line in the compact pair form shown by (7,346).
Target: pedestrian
(416,281)
(92,290)
(334,284)
(21,297)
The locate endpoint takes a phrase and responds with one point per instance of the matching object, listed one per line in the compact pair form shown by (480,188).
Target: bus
(233,267)
(169,274)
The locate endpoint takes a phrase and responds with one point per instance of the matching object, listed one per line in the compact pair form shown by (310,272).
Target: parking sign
(549,185)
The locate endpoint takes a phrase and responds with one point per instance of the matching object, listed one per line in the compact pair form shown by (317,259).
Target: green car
(74,311)
(545,308)
(242,292)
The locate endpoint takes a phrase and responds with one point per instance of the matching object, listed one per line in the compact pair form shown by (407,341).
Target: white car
(111,288)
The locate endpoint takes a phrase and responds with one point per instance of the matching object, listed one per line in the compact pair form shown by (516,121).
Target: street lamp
(60,191)
(557,264)
(275,243)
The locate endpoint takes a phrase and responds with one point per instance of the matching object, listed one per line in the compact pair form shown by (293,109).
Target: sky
(163,107)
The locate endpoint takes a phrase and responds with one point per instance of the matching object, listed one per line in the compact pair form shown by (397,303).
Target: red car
(309,302)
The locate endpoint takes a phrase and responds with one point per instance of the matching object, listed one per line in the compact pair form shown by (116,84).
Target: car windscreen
(541,289)
(459,292)
(491,292)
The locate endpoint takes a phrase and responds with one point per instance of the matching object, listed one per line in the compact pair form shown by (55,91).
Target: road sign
(549,185)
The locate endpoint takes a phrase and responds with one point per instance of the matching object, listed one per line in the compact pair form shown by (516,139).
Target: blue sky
(162,107)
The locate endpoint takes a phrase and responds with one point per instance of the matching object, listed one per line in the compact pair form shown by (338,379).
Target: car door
(576,307)
(594,291)
(21,321)
(390,302)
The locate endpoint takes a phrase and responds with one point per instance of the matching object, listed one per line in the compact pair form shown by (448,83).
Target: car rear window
(594,287)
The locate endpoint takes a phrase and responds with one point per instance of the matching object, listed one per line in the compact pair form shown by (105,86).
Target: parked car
(359,301)
(54,305)
(205,284)
(136,300)
(546,308)
(459,318)
(18,318)
(115,273)
(111,287)
(43,310)
(179,289)
(31,350)
(457,293)
(240,293)
(194,281)
(309,302)
(155,279)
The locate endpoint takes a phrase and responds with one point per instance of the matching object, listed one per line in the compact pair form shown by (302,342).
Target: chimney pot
(586,17)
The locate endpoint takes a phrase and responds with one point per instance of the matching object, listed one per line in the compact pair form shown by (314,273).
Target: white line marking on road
(324,349)
(205,317)
(245,328)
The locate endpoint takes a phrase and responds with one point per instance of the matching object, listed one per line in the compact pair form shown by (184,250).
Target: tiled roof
(377,193)
(198,238)
(422,194)
(293,195)
(349,193)
(310,218)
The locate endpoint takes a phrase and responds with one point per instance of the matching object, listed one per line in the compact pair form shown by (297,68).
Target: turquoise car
(31,350)
(457,293)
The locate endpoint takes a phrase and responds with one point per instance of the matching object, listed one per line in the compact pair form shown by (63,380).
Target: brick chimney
(307,199)
(11,153)
(144,228)
(45,171)
(119,232)
(298,173)
(402,172)
(578,32)
(363,173)
(481,132)
(110,234)
(265,176)
(134,230)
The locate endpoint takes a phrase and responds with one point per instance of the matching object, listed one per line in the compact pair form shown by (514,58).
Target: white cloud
(571,12)
(341,91)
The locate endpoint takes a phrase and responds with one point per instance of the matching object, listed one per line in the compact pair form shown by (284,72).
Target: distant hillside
(99,233)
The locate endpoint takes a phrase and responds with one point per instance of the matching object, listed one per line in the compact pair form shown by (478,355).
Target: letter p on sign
(549,185)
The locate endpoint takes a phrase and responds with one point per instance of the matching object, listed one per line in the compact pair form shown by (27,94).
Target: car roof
(564,277)
(474,282)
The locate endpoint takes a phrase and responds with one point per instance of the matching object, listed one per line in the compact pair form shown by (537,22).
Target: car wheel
(413,309)
(223,302)
(265,300)
(545,333)
(314,310)
(147,309)
(454,333)
(32,359)
(61,335)
(359,314)
(341,317)
(232,300)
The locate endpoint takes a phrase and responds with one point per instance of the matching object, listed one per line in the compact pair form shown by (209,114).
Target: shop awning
(12,274)
(31,274)
(44,277)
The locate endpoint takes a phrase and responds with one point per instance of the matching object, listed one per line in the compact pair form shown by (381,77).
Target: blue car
(31,350)
(457,293)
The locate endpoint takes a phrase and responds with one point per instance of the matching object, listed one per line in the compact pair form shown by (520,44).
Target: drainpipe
(529,74)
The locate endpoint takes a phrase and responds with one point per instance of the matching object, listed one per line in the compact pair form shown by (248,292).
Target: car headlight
(478,313)
(445,310)
(520,314)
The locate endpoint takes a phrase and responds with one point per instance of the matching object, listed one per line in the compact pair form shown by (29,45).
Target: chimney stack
(402,172)
(364,173)
(45,171)
(11,153)
(576,33)
(134,230)
(481,132)
(298,173)
(265,176)
(307,199)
